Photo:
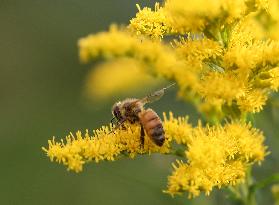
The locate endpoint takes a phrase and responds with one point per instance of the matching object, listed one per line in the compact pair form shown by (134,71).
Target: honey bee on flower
(132,110)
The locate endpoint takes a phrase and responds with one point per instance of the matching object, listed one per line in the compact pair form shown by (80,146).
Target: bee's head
(116,111)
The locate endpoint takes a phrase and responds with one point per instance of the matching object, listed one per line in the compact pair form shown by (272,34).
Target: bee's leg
(141,136)
(112,121)
(119,124)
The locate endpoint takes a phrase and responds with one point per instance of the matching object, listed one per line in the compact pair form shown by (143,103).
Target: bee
(132,110)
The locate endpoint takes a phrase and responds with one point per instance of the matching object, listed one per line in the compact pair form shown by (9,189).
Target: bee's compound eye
(116,112)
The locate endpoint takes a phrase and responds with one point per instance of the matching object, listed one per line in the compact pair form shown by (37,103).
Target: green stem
(251,199)
(265,182)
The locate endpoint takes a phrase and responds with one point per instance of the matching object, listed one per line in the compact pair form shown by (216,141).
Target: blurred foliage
(40,84)
(125,79)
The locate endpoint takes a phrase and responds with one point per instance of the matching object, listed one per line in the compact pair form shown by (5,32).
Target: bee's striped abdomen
(153,126)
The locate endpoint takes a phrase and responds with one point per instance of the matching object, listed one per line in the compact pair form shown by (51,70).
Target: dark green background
(41,82)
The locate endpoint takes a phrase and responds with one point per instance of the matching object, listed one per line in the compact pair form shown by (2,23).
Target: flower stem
(265,182)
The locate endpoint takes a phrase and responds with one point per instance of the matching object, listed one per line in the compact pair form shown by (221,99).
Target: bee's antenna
(169,86)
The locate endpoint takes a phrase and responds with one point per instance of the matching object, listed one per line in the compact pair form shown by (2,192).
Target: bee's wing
(154,96)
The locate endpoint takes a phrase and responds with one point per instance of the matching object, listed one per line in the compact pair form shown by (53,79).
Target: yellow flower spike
(274,72)
(198,15)
(269,53)
(235,9)
(185,16)
(115,42)
(150,23)
(225,86)
(245,43)
(177,129)
(242,47)
(102,145)
(154,56)
(217,156)
(124,75)
(253,101)
(197,49)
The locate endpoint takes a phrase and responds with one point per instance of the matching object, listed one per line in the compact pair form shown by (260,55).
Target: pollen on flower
(177,129)
(154,56)
(199,15)
(116,42)
(150,23)
(274,72)
(217,156)
(224,86)
(105,145)
(197,49)
(190,16)
(253,101)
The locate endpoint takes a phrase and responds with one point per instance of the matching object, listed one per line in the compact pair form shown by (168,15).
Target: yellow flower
(124,76)
(155,57)
(231,59)
(102,145)
(274,72)
(197,50)
(242,49)
(150,23)
(194,179)
(224,86)
(248,53)
(235,9)
(105,145)
(199,15)
(177,129)
(253,101)
(185,16)
(217,156)
(114,43)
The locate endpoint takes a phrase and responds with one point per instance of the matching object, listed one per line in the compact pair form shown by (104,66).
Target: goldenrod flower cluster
(223,56)
(106,144)
(102,145)
(216,156)
(231,67)
(98,88)
(119,43)
(200,14)
(150,23)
